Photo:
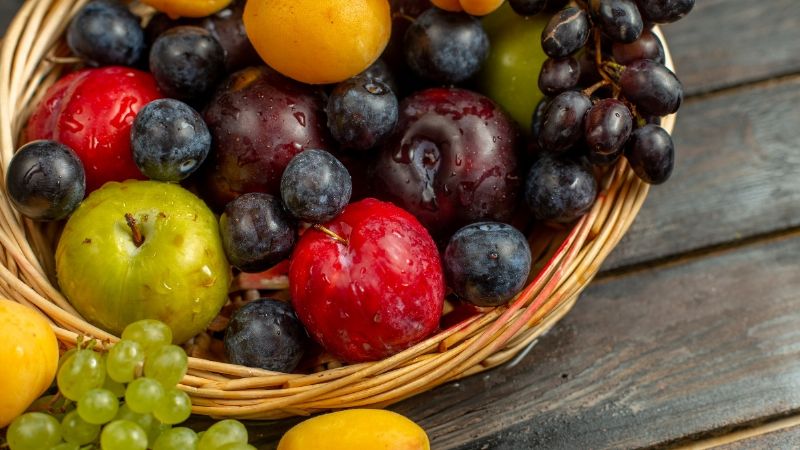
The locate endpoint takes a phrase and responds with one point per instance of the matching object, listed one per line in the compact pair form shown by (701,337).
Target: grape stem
(330,233)
(581,4)
(402,15)
(138,239)
(600,84)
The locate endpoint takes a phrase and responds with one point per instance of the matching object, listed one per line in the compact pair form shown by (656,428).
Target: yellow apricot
(318,41)
(188,8)
(28,358)
(473,7)
(356,429)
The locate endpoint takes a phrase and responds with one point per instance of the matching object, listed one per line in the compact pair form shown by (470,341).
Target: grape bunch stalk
(607,88)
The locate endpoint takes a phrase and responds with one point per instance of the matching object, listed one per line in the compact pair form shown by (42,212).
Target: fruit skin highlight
(28,357)
(188,8)
(318,42)
(356,429)
(179,274)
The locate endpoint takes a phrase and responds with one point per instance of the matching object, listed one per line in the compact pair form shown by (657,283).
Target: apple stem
(330,233)
(138,239)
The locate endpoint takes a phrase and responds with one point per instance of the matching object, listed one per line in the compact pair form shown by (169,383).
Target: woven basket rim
(30,62)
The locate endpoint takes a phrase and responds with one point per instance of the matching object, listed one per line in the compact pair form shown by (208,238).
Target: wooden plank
(776,434)
(735,176)
(643,359)
(788,439)
(8,8)
(724,43)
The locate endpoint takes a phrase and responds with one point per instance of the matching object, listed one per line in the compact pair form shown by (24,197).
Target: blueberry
(265,334)
(105,33)
(487,263)
(45,180)
(187,62)
(446,47)
(256,232)
(169,140)
(315,186)
(361,112)
(379,70)
(559,188)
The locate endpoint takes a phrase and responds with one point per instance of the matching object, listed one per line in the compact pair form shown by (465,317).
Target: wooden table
(691,336)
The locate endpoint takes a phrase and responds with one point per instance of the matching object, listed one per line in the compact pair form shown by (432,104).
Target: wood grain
(735,175)
(724,43)
(669,353)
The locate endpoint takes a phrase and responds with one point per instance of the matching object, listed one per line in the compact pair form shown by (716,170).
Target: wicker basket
(565,262)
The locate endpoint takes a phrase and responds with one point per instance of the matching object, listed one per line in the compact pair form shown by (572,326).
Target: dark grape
(566,32)
(563,122)
(651,154)
(559,188)
(446,47)
(265,334)
(608,125)
(361,112)
(45,180)
(552,6)
(618,19)
(105,33)
(527,7)
(588,69)
(487,263)
(169,140)
(664,11)
(599,159)
(256,232)
(316,186)
(559,75)
(538,118)
(653,88)
(379,70)
(187,62)
(648,46)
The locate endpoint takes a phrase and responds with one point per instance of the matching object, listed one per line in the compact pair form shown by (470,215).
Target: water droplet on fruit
(493,255)
(301,118)
(459,161)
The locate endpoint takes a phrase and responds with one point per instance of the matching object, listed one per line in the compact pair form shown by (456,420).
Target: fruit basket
(565,261)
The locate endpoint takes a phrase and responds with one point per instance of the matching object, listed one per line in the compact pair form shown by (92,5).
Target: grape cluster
(607,87)
(124,399)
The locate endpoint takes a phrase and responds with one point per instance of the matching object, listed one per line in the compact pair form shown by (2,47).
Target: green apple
(167,263)
(510,76)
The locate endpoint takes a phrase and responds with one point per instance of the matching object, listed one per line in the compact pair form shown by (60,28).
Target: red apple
(91,111)
(375,292)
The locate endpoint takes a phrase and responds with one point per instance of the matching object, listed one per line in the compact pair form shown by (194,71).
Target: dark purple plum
(560,188)
(169,140)
(45,180)
(487,263)
(105,33)
(566,32)
(651,154)
(452,160)
(265,334)
(257,232)
(316,186)
(362,111)
(187,63)
(446,47)
(259,120)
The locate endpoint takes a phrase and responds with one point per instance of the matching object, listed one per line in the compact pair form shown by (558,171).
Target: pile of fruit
(327,204)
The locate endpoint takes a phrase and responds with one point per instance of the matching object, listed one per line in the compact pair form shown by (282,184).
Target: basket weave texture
(565,262)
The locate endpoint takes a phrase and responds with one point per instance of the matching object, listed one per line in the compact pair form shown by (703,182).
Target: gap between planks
(748,433)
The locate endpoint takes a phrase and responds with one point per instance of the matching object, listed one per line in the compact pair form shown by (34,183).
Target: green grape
(118,389)
(167,364)
(123,358)
(98,406)
(155,431)
(146,421)
(123,435)
(78,431)
(66,356)
(175,407)
(222,433)
(66,446)
(180,438)
(236,446)
(151,334)
(33,431)
(143,394)
(82,371)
